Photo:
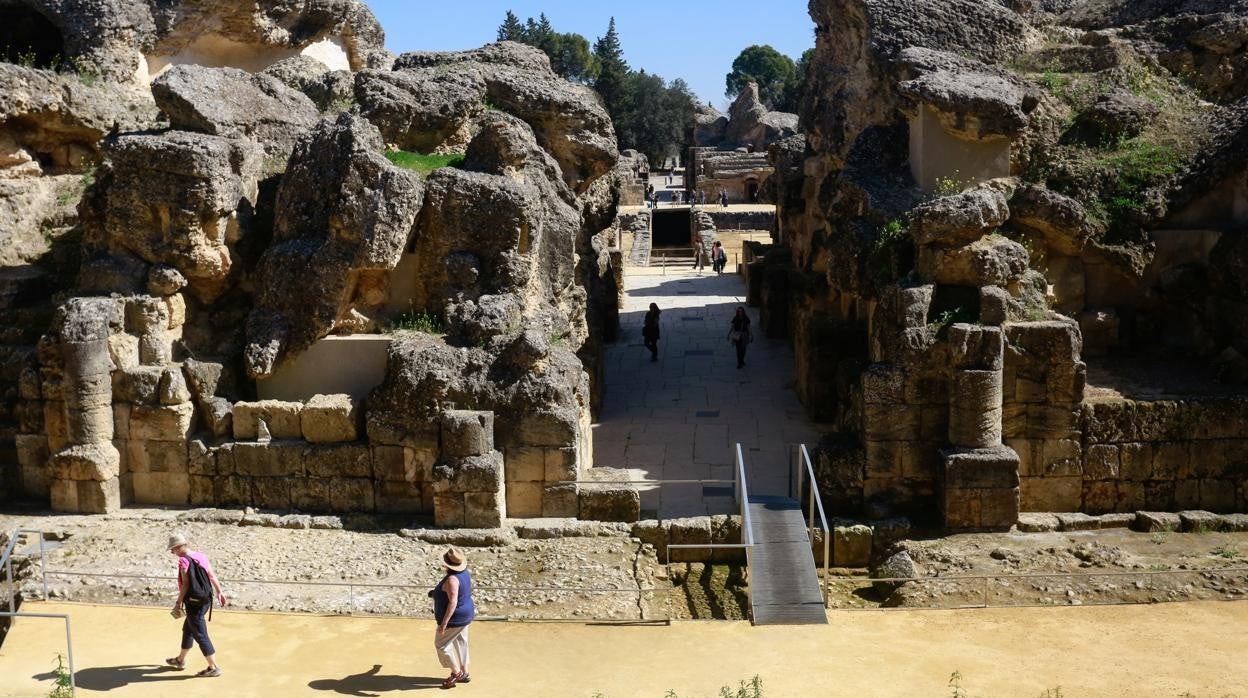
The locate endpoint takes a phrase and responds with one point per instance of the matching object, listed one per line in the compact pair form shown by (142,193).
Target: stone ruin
(1009,251)
(730,153)
(222,290)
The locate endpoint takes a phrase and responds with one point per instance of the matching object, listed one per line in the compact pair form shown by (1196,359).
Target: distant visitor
(650,331)
(454,611)
(740,334)
(196,585)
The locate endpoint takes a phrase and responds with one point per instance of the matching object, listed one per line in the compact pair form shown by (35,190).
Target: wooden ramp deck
(784,581)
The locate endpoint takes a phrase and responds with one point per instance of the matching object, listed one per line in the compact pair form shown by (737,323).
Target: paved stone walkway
(679,418)
(1139,651)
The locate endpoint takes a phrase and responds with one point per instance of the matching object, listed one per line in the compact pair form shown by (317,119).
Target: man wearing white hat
(196,584)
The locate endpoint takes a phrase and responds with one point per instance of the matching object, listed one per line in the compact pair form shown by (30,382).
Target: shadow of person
(371,683)
(106,678)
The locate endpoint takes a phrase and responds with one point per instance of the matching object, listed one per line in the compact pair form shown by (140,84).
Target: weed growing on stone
(425,323)
(1226,552)
(948,186)
(423,164)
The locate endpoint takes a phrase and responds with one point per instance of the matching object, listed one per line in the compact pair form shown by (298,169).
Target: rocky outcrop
(260,108)
(343,216)
(751,123)
(422,111)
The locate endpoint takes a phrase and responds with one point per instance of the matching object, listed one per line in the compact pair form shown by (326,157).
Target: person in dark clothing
(454,611)
(740,334)
(719,258)
(723,198)
(650,331)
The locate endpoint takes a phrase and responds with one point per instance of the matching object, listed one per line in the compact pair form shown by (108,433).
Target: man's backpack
(198,586)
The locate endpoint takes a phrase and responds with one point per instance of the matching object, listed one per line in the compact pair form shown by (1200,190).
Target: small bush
(424,164)
(424,323)
(61,685)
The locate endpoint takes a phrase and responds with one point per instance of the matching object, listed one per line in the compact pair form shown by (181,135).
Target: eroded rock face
(259,108)
(342,210)
(179,199)
(750,122)
(423,110)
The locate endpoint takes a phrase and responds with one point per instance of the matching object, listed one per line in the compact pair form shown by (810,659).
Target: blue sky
(695,40)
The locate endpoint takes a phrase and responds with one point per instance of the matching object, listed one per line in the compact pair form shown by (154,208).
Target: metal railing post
(69,651)
(43,566)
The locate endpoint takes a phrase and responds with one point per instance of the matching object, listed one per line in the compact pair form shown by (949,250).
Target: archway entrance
(29,38)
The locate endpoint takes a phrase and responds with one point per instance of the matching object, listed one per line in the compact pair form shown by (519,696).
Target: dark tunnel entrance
(671,228)
(28,38)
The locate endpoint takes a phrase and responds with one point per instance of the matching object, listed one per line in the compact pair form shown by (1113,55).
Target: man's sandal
(450,681)
(176,663)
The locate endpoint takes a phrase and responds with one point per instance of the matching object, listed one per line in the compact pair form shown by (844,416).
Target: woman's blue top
(464,610)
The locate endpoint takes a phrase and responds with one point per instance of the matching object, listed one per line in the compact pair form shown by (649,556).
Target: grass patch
(423,164)
(424,323)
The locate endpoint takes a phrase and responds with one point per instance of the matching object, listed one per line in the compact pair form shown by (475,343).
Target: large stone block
(467,433)
(337,460)
(330,419)
(268,460)
(95,497)
(975,409)
(561,465)
(89,425)
(164,423)
(171,489)
(1156,521)
(1051,493)
(526,464)
(281,418)
(891,422)
(157,457)
(173,389)
(309,494)
(988,468)
(524,500)
(883,384)
(448,509)
(399,497)
(548,428)
(610,502)
(231,491)
(851,546)
(1102,462)
(1100,497)
(484,509)
(88,392)
(351,494)
(271,492)
(97,462)
(691,531)
(217,415)
(560,501)
(476,474)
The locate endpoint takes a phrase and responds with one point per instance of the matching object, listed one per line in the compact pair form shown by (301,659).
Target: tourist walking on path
(740,334)
(650,331)
(723,198)
(196,585)
(719,258)
(454,611)
(698,262)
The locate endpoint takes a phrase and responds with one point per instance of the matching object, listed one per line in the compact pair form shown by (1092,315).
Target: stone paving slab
(680,418)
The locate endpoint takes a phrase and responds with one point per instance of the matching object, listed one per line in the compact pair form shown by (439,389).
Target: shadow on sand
(106,678)
(372,683)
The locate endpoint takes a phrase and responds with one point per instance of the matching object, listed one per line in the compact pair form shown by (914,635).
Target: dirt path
(1161,650)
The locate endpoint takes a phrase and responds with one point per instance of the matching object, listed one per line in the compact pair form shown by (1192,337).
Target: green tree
(773,71)
(793,94)
(658,117)
(571,58)
(538,32)
(612,82)
(511,29)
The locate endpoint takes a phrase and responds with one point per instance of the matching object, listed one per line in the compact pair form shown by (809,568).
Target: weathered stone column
(979,476)
(468,482)
(85,473)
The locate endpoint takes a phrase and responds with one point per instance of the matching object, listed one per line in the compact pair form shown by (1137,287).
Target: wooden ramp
(784,582)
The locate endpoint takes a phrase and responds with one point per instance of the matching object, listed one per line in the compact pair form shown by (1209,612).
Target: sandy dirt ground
(1171,650)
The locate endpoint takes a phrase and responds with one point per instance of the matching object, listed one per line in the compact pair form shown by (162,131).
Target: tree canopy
(569,54)
(775,73)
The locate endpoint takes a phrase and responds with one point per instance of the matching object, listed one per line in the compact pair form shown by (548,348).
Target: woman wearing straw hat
(453,609)
(196,583)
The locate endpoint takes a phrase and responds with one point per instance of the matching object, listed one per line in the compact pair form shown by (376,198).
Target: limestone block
(976,347)
(1217,495)
(476,474)
(1171,460)
(1156,521)
(330,418)
(726,529)
(351,494)
(203,378)
(121,421)
(35,483)
(998,508)
(891,422)
(560,501)
(1101,462)
(1051,493)
(264,460)
(990,261)
(271,492)
(1236,523)
(980,468)
(1061,458)
(524,499)
(89,425)
(851,546)
(123,349)
(28,384)
(560,465)
(157,457)
(172,489)
(399,497)
(1078,521)
(165,423)
(653,533)
(98,462)
(281,418)
(920,461)
(1053,421)
(1197,521)
(231,491)
(884,459)
(139,385)
(32,450)
(448,509)
(1037,523)
(1131,496)
(309,494)
(883,384)
(96,497)
(975,409)
(466,433)
(407,464)
(201,460)
(484,509)
(156,348)
(64,495)
(1100,497)
(994,305)
(55,424)
(176,308)
(145,314)
(81,359)
(610,502)
(690,531)
(29,415)
(217,415)
(1159,495)
(173,390)
(87,392)
(525,464)
(338,460)
(50,381)
(549,428)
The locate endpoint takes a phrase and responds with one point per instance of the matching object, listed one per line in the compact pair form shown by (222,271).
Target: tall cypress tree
(511,29)
(612,81)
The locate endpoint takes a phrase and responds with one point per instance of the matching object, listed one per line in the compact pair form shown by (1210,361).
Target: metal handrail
(747,524)
(814,502)
(69,643)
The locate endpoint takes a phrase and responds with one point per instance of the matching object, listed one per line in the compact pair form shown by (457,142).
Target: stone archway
(29,38)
